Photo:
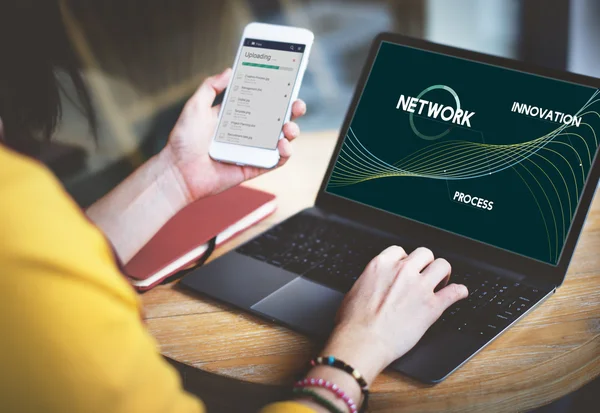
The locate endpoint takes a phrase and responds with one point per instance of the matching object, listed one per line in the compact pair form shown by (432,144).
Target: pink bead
(330,386)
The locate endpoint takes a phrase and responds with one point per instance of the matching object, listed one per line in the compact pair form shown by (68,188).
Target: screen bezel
(433,237)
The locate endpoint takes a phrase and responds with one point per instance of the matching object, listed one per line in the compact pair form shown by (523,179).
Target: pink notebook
(184,239)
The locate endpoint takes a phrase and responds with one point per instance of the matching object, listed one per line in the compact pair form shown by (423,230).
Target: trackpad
(304,305)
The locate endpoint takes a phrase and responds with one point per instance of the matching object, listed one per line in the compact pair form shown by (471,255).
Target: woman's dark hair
(34,47)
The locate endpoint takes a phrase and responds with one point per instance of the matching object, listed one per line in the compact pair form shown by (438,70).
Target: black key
(524,303)
(500,301)
(501,321)
(354,276)
(492,329)
(271,236)
(250,248)
(534,294)
(454,311)
(319,274)
(509,314)
(491,308)
(275,262)
(300,267)
(287,258)
(521,308)
(466,327)
(481,332)
(451,316)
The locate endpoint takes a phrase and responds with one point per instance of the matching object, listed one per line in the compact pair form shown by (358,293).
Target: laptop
(489,162)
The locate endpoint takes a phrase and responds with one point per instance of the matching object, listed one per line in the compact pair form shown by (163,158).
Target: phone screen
(260,93)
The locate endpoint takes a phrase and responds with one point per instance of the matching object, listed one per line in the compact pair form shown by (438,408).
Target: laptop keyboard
(493,303)
(323,251)
(335,255)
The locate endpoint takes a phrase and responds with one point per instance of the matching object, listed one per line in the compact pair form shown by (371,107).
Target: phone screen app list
(259,97)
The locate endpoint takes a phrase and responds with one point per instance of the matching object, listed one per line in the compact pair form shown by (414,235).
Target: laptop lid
(482,156)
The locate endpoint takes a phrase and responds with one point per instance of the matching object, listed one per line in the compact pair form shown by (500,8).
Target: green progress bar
(260,65)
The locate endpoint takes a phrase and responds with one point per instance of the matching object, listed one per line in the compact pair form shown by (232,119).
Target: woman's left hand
(189,143)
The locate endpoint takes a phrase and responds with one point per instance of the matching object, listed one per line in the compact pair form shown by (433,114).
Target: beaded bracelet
(332,387)
(317,398)
(339,364)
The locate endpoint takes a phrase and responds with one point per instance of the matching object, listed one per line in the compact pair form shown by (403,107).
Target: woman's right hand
(384,315)
(390,307)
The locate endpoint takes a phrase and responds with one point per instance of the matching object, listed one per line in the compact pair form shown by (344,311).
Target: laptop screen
(493,154)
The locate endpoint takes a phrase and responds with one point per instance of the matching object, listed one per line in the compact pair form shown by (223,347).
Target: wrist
(139,206)
(168,163)
(358,350)
(343,382)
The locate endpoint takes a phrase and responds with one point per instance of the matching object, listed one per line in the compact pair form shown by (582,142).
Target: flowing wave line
(450,160)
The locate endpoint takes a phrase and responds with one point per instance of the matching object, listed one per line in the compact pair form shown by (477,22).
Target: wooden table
(550,353)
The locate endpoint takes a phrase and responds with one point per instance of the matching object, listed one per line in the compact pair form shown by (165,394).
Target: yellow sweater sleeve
(71,334)
(287,407)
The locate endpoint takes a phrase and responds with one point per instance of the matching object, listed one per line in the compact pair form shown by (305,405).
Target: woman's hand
(181,173)
(189,143)
(384,315)
(390,307)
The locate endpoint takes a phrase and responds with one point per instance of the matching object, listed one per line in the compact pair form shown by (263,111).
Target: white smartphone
(267,74)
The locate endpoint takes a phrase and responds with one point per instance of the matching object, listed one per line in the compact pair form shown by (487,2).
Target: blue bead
(331,360)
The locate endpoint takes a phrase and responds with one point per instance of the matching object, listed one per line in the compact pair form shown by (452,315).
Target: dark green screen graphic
(493,154)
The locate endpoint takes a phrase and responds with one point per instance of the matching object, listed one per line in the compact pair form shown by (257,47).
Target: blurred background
(143,58)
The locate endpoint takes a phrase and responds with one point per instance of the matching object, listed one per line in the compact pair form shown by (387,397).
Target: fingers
(385,265)
(285,150)
(437,272)
(394,252)
(291,131)
(420,258)
(451,294)
(298,109)
(211,87)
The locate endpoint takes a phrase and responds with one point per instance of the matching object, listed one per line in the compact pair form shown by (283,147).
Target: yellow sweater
(71,335)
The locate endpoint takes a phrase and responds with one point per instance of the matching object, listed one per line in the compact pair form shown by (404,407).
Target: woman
(72,336)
